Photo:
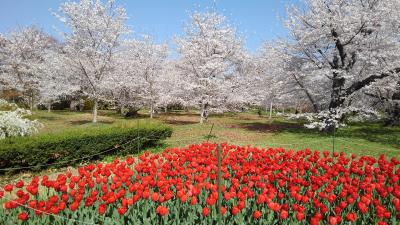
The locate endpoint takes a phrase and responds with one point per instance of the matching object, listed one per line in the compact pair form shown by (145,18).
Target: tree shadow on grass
(223,115)
(379,134)
(179,122)
(47,118)
(82,122)
(134,117)
(372,132)
(270,127)
(179,113)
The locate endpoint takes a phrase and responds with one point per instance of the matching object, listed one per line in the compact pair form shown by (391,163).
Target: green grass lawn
(243,129)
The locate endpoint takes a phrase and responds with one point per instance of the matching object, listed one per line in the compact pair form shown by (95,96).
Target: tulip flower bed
(179,186)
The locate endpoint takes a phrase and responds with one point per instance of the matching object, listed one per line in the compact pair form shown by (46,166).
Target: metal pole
(333,140)
(212,126)
(219,186)
(137,133)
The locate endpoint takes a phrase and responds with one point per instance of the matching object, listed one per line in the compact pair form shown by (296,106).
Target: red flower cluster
(266,185)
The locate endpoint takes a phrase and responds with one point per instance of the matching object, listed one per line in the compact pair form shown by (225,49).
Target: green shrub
(76,145)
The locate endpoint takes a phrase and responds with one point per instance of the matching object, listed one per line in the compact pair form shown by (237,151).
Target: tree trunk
(166,109)
(72,106)
(95,105)
(203,114)
(337,98)
(308,94)
(151,110)
(120,109)
(31,103)
(49,107)
(270,110)
(81,105)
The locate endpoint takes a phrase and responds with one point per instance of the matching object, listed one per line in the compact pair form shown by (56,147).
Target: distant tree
(172,88)
(208,53)
(21,60)
(91,45)
(142,62)
(56,79)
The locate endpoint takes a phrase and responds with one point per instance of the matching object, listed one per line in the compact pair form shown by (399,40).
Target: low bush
(74,145)
(13,121)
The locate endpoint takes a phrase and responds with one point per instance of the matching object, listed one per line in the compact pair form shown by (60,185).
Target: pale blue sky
(257,20)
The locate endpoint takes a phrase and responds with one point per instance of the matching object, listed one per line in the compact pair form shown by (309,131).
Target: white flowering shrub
(13,123)
(329,118)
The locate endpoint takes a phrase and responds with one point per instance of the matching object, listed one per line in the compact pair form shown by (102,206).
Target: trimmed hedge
(73,146)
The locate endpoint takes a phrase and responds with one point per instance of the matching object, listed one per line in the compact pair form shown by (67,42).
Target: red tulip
(235,210)
(223,210)
(257,214)
(74,206)
(102,209)
(8,188)
(300,216)
(206,211)
(162,211)
(122,210)
(19,184)
(154,196)
(193,201)
(333,220)
(23,216)
(284,214)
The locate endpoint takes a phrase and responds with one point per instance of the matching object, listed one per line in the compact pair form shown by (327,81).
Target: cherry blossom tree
(56,79)
(172,88)
(21,56)
(208,53)
(337,48)
(140,65)
(3,80)
(91,45)
(146,60)
(385,96)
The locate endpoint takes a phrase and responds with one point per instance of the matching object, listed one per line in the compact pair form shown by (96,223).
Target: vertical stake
(219,186)
(137,135)
(208,138)
(333,139)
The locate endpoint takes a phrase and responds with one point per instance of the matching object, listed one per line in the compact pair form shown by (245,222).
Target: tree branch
(360,84)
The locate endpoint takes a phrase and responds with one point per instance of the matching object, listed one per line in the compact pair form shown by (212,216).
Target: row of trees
(341,57)
(98,60)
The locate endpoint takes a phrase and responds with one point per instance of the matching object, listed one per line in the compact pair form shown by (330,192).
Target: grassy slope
(243,129)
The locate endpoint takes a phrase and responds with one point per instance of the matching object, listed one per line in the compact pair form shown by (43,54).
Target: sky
(256,20)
